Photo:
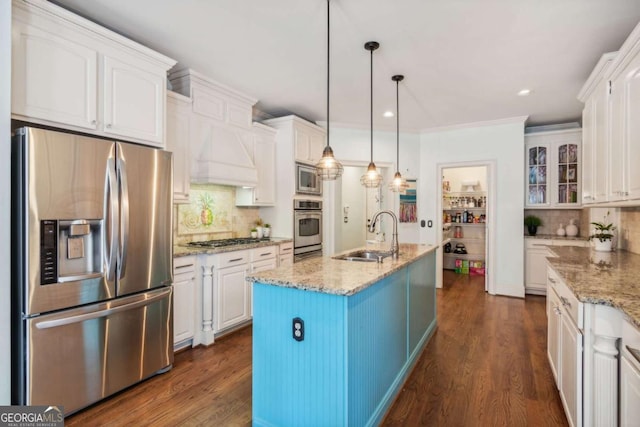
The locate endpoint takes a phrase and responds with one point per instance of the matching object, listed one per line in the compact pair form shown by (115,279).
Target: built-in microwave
(307,182)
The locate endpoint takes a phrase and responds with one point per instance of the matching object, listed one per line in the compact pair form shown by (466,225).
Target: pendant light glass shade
(328,168)
(399,184)
(371,178)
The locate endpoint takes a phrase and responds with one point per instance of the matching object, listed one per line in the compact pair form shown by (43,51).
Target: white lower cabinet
(285,254)
(231,296)
(571,369)
(535,262)
(553,335)
(225,293)
(184,274)
(629,393)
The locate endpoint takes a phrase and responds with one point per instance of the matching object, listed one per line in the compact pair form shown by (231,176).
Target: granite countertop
(339,277)
(180,250)
(607,278)
(555,237)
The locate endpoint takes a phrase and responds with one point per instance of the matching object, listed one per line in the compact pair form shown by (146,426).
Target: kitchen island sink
(333,341)
(364,255)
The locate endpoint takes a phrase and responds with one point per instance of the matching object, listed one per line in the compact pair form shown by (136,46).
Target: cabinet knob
(93,122)
(108,125)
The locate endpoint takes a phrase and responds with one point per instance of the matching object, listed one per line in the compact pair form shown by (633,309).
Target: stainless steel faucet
(395,247)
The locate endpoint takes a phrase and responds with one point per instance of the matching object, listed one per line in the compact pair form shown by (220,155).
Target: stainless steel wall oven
(307,235)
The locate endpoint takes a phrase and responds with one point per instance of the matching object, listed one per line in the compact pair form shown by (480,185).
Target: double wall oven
(307,233)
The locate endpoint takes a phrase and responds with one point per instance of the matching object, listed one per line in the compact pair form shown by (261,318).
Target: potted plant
(259,227)
(266,231)
(532,222)
(254,233)
(603,235)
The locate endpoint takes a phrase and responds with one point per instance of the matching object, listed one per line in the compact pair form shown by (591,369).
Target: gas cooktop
(225,242)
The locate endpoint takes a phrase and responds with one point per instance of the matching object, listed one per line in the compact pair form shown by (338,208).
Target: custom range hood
(221,132)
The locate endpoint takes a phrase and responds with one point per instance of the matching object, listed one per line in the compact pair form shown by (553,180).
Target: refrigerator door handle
(111,200)
(124,214)
(107,309)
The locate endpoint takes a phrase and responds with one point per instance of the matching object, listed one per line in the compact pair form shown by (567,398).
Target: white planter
(266,232)
(604,246)
(254,234)
(259,232)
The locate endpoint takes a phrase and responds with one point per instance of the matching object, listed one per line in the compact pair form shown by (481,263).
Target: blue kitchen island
(334,340)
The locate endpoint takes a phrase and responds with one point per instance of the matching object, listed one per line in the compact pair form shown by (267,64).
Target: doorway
(466,205)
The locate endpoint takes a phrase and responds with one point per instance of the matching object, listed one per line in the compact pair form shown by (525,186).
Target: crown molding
(487,123)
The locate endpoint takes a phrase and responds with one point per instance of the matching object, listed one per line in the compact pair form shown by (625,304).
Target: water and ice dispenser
(70,250)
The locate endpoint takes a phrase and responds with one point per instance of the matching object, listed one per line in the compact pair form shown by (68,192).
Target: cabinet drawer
(577,243)
(229,259)
(567,299)
(266,252)
(537,243)
(184,265)
(286,248)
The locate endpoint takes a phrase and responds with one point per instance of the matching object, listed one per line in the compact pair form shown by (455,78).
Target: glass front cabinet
(552,165)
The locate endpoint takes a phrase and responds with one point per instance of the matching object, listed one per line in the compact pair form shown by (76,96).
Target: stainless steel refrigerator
(92,267)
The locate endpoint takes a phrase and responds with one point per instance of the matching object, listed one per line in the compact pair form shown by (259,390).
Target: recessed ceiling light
(388,114)
(524,92)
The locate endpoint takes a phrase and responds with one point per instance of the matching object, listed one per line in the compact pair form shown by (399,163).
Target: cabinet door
(538,175)
(231,296)
(536,270)
(183,307)
(301,143)
(265,159)
(616,147)
(316,146)
(588,166)
(632,127)
(178,137)
(53,78)
(600,149)
(133,102)
(571,369)
(629,394)
(568,171)
(553,335)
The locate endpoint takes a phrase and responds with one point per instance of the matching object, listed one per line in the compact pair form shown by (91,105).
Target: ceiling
(463,61)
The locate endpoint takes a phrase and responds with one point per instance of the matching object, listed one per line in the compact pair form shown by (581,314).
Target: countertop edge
(183,251)
(263,277)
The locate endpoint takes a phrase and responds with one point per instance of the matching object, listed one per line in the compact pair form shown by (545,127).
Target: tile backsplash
(212,214)
(552,218)
(629,231)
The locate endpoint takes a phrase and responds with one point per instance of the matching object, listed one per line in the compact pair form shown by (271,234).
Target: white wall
(5,196)
(353,145)
(504,144)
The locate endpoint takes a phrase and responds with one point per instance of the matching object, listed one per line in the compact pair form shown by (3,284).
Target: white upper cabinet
(178,142)
(625,129)
(264,158)
(612,131)
(54,78)
(133,102)
(553,169)
(222,140)
(309,143)
(71,73)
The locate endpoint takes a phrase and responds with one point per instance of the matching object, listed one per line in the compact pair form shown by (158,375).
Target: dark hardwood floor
(486,365)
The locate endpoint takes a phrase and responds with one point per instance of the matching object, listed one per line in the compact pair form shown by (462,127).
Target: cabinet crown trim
(50,10)
(597,75)
(189,77)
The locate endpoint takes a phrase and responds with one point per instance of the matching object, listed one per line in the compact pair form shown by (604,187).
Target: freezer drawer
(79,356)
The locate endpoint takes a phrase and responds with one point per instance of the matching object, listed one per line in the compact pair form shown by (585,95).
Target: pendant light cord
(397,125)
(328,59)
(371,114)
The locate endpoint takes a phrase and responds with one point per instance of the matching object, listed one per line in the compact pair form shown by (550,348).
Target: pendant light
(371,178)
(399,184)
(328,168)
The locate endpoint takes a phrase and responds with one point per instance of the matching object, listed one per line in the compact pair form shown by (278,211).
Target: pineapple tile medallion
(208,211)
